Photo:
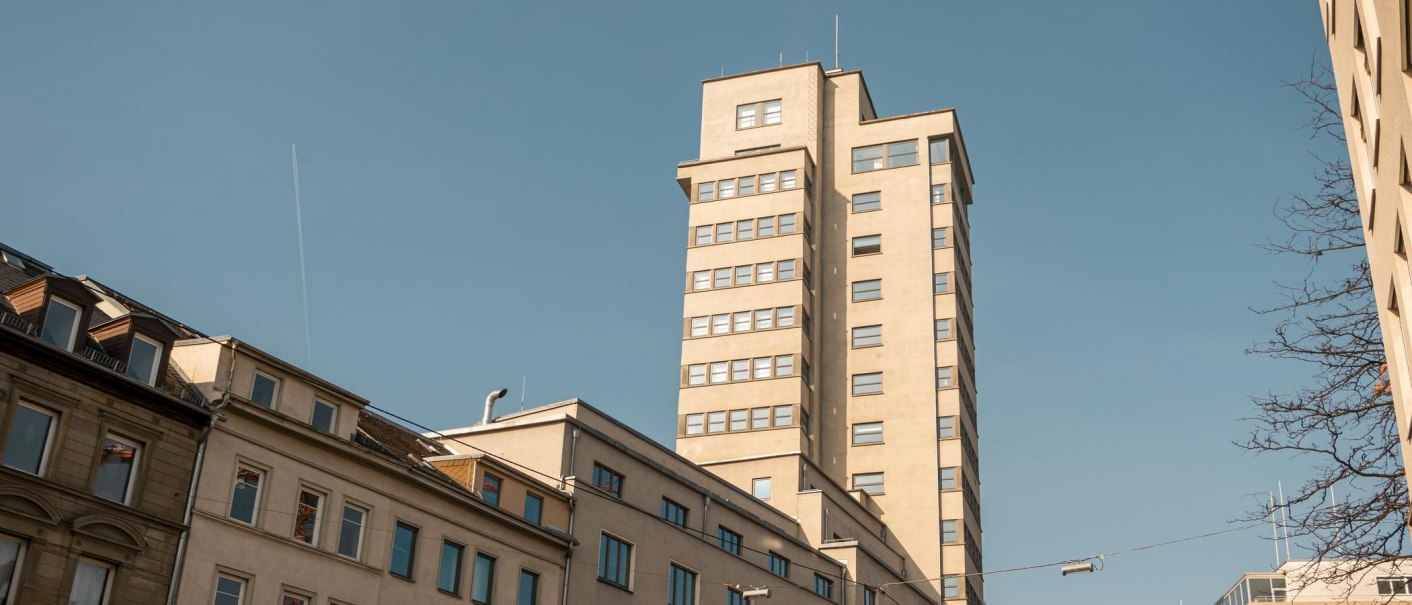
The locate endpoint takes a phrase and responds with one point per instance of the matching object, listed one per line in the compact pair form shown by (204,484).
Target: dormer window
(144,358)
(324,416)
(264,390)
(61,323)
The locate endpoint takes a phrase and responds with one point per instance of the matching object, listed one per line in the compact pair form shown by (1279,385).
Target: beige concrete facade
(869,384)
(1372,63)
(827,533)
(1297,581)
(290,513)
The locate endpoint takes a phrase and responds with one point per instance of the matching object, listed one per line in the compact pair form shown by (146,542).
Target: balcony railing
(105,359)
(18,323)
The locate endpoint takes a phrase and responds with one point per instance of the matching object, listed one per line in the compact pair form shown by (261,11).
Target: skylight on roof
(12,260)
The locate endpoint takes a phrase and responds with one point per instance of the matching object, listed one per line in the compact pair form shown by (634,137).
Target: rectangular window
(716,422)
(870,596)
(92,583)
(787,180)
(738,420)
(706,192)
(720,324)
(31,437)
(483,579)
(728,540)
(144,358)
(784,365)
(307,517)
(944,377)
(681,586)
(947,478)
(727,188)
(534,509)
(760,418)
(404,550)
(939,194)
(864,202)
(762,367)
(868,483)
(703,235)
(747,185)
(945,427)
(725,232)
(718,373)
(745,116)
(608,480)
(229,591)
(764,319)
(672,512)
(701,280)
(865,433)
(490,489)
(723,278)
(740,369)
(264,390)
(784,317)
(779,565)
(939,237)
(767,226)
(787,223)
(939,150)
(823,586)
(60,323)
(943,329)
(245,495)
(324,416)
(743,275)
(867,384)
(867,336)
(734,597)
(941,283)
(949,533)
(867,290)
(902,153)
(950,588)
(11,555)
(695,424)
(1394,585)
(350,531)
(867,158)
(290,598)
(761,488)
(529,588)
(696,374)
(699,326)
(772,112)
(765,272)
(784,415)
(867,244)
(767,183)
(614,560)
(448,575)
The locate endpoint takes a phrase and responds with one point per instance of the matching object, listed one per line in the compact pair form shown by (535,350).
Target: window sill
(865,346)
(738,128)
(885,168)
(868,444)
(866,300)
(866,211)
(867,394)
(401,577)
(857,255)
(615,585)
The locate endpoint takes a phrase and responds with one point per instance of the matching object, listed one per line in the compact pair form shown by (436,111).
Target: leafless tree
(1353,505)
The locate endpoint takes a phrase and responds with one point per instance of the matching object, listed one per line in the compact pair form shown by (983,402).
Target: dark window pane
(404,550)
(483,583)
(350,532)
(529,588)
(448,576)
(323,417)
(115,466)
(490,489)
(246,494)
(29,436)
(534,508)
(59,322)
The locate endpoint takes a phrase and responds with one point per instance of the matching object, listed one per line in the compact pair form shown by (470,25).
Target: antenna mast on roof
(303,278)
(835,40)
(524,381)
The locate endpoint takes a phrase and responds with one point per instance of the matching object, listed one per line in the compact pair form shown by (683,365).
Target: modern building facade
(305,497)
(827,333)
(1371,55)
(99,435)
(1297,581)
(651,527)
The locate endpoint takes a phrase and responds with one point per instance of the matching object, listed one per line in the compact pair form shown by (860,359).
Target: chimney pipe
(490,404)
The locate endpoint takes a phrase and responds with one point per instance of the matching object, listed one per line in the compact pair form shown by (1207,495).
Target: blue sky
(488,194)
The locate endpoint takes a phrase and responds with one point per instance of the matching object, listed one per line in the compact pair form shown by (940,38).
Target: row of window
(871,289)
(742,321)
(740,370)
(872,200)
(232,589)
(61,326)
(899,153)
(265,389)
(30,443)
(740,420)
(745,275)
(871,336)
(872,244)
(763,113)
(751,228)
(747,185)
(871,383)
(92,583)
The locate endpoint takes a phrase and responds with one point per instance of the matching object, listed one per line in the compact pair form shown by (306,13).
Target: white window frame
(274,396)
(78,319)
(880,483)
(333,416)
(695,424)
(696,374)
(242,582)
(767,483)
(866,430)
(700,326)
(17,571)
(156,357)
(259,492)
(788,180)
(318,514)
(110,569)
(49,437)
(132,470)
(782,414)
(362,531)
